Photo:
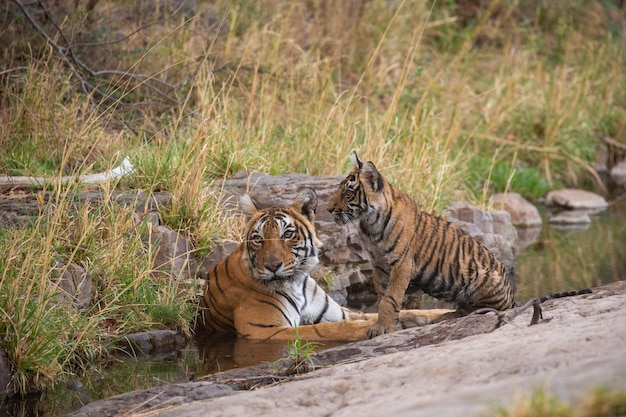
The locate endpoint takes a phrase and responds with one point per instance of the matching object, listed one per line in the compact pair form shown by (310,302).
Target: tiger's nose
(272,262)
(273,266)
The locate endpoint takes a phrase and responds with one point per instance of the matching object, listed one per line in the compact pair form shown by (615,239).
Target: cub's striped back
(407,244)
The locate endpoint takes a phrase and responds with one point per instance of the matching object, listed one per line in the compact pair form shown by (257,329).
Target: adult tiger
(263,290)
(407,245)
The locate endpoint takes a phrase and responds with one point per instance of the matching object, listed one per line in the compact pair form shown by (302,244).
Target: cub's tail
(565,294)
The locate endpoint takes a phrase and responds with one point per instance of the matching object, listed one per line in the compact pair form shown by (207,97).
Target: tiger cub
(263,290)
(408,245)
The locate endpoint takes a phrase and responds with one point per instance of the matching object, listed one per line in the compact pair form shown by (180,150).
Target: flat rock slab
(456,368)
(576,199)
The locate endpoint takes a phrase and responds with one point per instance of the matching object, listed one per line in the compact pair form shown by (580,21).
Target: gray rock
(462,214)
(493,229)
(503,226)
(9,220)
(220,250)
(154,399)
(74,284)
(523,214)
(150,217)
(140,200)
(618,174)
(21,209)
(5,376)
(575,199)
(174,255)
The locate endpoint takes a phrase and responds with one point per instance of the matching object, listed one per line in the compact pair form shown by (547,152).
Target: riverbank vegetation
(602,402)
(451,99)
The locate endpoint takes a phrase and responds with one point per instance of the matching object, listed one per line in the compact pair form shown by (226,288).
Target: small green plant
(299,355)
(325,277)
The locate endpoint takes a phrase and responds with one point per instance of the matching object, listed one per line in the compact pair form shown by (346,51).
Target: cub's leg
(390,304)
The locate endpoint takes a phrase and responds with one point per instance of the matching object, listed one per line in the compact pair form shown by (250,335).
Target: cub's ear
(306,203)
(358,164)
(371,177)
(246,205)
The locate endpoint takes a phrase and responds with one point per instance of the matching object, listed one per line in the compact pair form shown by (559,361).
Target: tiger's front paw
(379,328)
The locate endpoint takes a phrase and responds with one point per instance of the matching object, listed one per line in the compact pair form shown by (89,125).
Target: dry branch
(84,73)
(125,168)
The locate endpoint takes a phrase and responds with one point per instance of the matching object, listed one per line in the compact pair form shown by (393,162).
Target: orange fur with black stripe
(263,290)
(408,245)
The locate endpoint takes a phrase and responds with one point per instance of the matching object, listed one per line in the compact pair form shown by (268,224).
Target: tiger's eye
(289,234)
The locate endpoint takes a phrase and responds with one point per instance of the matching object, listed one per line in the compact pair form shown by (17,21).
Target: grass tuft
(601,402)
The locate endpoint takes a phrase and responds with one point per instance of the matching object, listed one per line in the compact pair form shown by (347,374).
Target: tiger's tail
(565,294)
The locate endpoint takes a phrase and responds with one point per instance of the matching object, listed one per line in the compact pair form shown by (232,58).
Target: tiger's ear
(358,164)
(306,203)
(371,177)
(246,205)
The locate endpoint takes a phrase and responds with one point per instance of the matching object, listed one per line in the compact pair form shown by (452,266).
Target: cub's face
(359,193)
(348,203)
(281,245)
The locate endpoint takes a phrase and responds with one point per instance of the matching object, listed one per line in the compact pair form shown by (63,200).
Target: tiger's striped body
(263,290)
(408,245)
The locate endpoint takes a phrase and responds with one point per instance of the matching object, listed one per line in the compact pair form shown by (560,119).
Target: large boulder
(491,228)
(574,199)
(571,208)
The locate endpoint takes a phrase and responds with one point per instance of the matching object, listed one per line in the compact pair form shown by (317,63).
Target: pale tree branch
(125,168)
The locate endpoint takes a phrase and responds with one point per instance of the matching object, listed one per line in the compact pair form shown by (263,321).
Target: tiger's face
(349,201)
(358,193)
(281,245)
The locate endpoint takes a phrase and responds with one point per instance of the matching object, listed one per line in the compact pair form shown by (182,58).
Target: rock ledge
(455,368)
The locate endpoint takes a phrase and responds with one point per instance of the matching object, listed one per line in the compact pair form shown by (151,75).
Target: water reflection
(219,352)
(573,258)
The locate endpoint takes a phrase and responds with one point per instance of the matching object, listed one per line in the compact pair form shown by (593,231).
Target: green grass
(602,402)
(448,103)
(46,339)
